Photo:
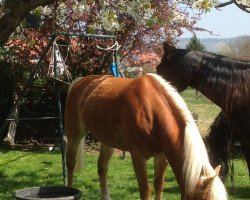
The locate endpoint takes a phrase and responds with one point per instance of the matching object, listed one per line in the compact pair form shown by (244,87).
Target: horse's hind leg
(103,160)
(160,164)
(140,167)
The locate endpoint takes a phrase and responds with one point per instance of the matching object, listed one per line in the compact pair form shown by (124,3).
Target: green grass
(204,108)
(22,169)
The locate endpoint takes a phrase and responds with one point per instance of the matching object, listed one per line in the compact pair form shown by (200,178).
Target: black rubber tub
(48,193)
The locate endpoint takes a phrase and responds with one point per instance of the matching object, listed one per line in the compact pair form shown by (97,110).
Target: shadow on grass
(239,192)
(24,179)
(21,170)
(29,152)
(173,190)
(15,159)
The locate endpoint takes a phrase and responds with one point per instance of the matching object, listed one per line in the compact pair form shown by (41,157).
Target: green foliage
(39,100)
(6,91)
(195,44)
(6,83)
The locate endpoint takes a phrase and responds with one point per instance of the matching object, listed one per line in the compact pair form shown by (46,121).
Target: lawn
(22,169)
(204,108)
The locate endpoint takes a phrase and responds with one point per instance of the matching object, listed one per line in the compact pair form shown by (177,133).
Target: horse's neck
(211,94)
(214,88)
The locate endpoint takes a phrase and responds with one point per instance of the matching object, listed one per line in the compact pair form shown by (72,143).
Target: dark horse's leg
(104,157)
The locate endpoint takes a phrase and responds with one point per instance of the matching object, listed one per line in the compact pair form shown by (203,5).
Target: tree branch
(243,7)
(220,5)
(14,13)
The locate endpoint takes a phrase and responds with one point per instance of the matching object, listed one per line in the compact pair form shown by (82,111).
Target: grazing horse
(148,118)
(219,143)
(224,81)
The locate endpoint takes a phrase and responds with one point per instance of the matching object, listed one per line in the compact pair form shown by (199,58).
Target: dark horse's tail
(219,144)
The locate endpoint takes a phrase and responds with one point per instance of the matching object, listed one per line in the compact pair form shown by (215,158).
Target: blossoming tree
(140,26)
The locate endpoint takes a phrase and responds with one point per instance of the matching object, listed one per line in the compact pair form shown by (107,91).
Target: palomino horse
(148,118)
(224,81)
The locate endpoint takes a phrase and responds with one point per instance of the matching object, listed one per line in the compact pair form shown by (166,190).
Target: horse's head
(169,67)
(219,157)
(208,188)
(218,143)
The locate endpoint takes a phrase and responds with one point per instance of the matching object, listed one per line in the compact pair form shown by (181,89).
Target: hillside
(211,44)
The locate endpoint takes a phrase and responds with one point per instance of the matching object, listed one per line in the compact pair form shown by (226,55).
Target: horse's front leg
(160,164)
(103,160)
(140,167)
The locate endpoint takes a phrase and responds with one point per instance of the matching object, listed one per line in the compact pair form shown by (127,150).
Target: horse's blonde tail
(80,156)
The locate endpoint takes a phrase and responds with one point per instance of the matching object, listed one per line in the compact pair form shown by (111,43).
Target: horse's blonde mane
(195,154)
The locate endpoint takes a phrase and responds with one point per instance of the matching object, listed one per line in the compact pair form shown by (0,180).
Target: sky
(227,22)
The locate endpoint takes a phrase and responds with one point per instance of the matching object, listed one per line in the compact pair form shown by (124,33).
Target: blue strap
(113,69)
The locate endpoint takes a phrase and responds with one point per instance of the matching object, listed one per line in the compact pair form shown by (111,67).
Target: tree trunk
(10,138)
(14,12)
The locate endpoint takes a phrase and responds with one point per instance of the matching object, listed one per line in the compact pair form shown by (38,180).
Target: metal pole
(70,34)
(116,59)
(61,128)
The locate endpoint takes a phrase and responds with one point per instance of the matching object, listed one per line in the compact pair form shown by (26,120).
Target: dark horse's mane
(215,64)
(229,74)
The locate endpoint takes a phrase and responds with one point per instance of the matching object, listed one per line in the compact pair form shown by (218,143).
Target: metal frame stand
(31,78)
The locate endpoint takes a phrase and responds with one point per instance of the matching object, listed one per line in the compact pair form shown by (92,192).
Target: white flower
(79,9)
(225,49)
(108,19)
(205,5)
(47,10)
(148,14)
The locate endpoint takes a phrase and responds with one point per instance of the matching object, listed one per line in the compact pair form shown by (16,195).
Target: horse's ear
(217,169)
(168,47)
(207,181)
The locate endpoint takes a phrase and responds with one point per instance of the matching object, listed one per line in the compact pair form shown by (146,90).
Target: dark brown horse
(222,144)
(148,118)
(219,143)
(224,81)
